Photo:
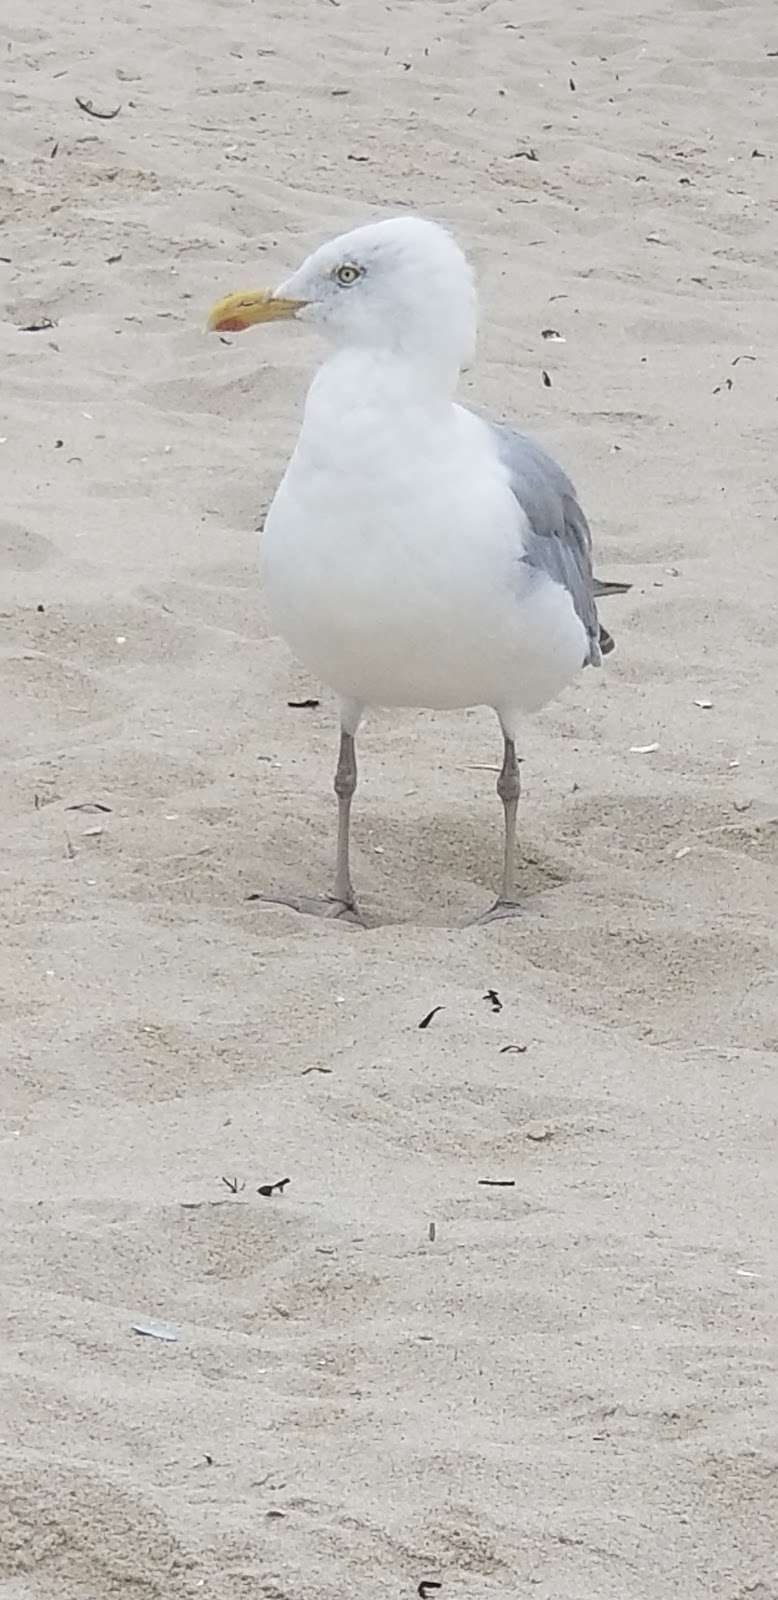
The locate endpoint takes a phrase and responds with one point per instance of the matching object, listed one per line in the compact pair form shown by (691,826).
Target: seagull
(415,553)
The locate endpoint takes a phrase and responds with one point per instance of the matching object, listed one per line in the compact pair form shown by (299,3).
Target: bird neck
(385,379)
(364,408)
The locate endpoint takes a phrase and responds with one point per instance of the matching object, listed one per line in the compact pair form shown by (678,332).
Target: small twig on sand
(92,111)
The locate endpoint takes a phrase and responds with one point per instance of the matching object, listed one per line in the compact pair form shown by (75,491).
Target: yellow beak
(238,311)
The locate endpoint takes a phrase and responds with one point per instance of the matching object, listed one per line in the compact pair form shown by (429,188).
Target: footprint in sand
(23,550)
(44,700)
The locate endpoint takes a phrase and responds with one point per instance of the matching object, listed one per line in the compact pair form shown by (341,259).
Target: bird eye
(348,274)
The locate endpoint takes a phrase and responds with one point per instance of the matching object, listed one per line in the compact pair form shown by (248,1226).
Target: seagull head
(401,286)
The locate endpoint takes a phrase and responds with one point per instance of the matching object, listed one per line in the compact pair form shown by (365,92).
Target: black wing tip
(607,641)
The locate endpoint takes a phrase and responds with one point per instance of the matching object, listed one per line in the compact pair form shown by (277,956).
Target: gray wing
(560,541)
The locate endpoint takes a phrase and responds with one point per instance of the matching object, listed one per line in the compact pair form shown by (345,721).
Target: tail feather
(603,586)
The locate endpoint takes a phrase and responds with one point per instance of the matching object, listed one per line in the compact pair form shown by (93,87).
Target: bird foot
(309,905)
(499,912)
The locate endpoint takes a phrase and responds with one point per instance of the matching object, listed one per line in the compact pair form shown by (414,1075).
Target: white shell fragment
(156,1330)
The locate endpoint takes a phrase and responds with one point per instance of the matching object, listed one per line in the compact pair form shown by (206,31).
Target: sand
(567,1391)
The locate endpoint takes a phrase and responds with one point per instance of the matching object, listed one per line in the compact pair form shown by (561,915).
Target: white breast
(391,554)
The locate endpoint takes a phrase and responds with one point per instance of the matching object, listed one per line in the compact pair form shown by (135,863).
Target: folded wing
(560,540)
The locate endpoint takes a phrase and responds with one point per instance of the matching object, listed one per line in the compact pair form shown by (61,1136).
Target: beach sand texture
(567,1392)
